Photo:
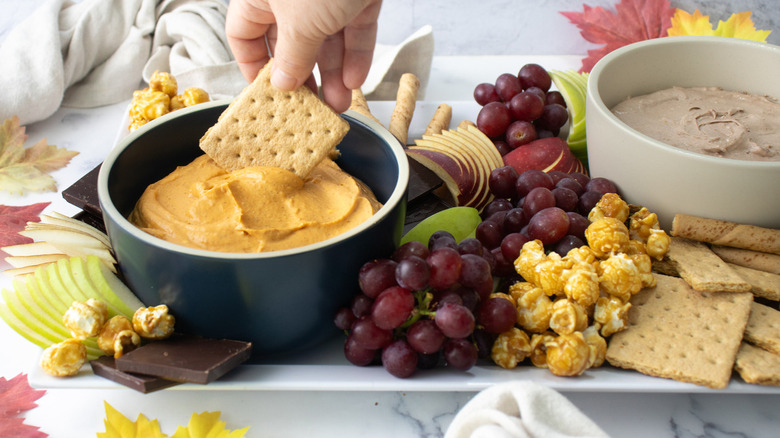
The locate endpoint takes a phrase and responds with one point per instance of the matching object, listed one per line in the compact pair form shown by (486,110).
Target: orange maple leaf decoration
(632,21)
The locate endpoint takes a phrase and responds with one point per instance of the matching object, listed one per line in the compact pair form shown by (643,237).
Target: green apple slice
(66,275)
(40,299)
(48,290)
(460,221)
(79,273)
(31,249)
(41,315)
(19,327)
(56,218)
(29,320)
(111,288)
(58,287)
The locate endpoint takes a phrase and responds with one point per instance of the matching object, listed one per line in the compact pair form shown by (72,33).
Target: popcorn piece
(619,276)
(582,284)
(644,265)
(539,348)
(192,96)
(534,309)
(644,226)
(568,355)
(612,314)
(531,255)
(148,105)
(118,337)
(64,359)
(658,244)
(84,319)
(164,82)
(610,205)
(597,345)
(153,322)
(568,317)
(583,254)
(606,236)
(510,348)
(549,274)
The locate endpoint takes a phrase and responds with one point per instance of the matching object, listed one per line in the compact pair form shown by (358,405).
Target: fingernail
(282,80)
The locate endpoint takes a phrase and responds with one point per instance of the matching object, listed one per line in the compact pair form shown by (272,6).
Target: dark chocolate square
(105,366)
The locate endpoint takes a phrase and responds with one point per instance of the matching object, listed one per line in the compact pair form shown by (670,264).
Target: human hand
(339,35)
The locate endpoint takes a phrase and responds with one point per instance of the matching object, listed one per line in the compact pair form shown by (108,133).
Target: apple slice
(19,327)
(58,287)
(458,183)
(28,319)
(33,260)
(31,249)
(461,222)
(66,275)
(49,291)
(25,298)
(68,241)
(471,167)
(544,154)
(39,297)
(56,218)
(111,288)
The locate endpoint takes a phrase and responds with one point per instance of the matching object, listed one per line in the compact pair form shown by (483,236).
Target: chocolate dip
(709,121)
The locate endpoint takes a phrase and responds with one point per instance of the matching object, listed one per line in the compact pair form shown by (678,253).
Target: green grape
(459,221)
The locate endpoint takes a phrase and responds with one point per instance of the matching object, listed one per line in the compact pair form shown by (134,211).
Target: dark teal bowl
(281,301)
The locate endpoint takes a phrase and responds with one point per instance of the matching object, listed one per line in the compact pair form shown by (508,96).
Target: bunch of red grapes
(518,109)
(425,306)
(551,207)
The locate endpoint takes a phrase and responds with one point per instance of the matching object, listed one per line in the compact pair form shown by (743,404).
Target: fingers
(359,42)
(246,27)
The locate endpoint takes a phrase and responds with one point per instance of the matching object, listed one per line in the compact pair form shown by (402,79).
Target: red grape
(554,96)
(392,307)
(399,359)
(502,182)
(548,225)
(410,248)
(534,75)
(376,276)
(454,320)
(553,117)
(493,119)
(441,239)
(470,245)
(537,200)
(412,273)
(361,305)
(460,354)
(344,318)
(356,354)
(369,335)
(424,337)
(514,220)
(577,224)
(566,244)
(602,185)
(445,266)
(497,315)
(501,147)
(485,93)
(526,106)
(587,201)
(475,271)
(531,179)
(507,86)
(565,199)
(571,184)
(512,244)
(519,133)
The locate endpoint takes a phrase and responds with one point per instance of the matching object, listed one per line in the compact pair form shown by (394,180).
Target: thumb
(294,58)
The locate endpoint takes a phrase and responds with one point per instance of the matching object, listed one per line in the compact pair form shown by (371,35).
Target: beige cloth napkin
(521,410)
(97,52)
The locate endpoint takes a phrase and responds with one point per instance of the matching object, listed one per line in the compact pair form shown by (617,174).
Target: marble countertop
(79,412)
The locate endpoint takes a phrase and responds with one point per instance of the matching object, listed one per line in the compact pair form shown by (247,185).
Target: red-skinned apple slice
(545,154)
(473,163)
(455,139)
(446,168)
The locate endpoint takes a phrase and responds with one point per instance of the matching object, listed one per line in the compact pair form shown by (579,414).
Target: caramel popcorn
(612,314)
(568,317)
(607,235)
(510,348)
(549,274)
(610,205)
(644,226)
(644,265)
(64,359)
(153,322)
(582,284)
(117,337)
(531,255)
(619,276)
(583,254)
(84,319)
(534,309)
(658,244)
(539,348)
(597,345)
(160,98)
(568,355)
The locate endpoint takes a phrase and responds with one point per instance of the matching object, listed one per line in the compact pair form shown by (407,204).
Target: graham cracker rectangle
(702,269)
(756,365)
(763,327)
(763,284)
(265,126)
(679,333)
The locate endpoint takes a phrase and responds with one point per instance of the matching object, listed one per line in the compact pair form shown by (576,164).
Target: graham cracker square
(763,327)
(756,365)
(265,126)
(702,268)
(679,333)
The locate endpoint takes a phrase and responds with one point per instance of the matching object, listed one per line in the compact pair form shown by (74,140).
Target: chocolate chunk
(84,193)
(105,367)
(421,181)
(186,358)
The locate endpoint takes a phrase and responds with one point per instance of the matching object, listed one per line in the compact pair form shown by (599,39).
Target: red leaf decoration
(632,21)
(16,396)
(14,219)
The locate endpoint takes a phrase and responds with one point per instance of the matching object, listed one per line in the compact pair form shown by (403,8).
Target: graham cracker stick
(719,232)
(360,105)
(465,124)
(762,261)
(405,101)
(440,121)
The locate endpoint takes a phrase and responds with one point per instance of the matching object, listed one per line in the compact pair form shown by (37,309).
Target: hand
(339,35)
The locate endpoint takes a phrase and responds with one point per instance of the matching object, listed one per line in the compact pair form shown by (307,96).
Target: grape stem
(423,299)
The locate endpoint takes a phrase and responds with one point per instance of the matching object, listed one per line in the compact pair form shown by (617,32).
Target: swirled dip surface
(254,209)
(710,121)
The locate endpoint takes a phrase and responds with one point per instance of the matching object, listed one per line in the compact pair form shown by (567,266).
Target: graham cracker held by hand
(265,126)
(679,333)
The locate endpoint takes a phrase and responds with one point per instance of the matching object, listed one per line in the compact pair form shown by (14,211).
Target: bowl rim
(593,95)
(108,208)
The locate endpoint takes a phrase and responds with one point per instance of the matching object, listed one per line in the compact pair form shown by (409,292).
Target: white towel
(93,53)
(521,410)
(97,52)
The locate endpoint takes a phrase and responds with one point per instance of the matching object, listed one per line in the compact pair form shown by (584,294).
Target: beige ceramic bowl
(666,179)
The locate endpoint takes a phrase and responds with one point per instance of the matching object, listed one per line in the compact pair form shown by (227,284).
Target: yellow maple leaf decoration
(203,425)
(119,426)
(207,425)
(739,25)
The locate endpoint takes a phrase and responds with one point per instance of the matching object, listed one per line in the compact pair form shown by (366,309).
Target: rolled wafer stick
(440,121)
(761,261)
(466,123)
(405,101)
(360,105)
(719,232)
